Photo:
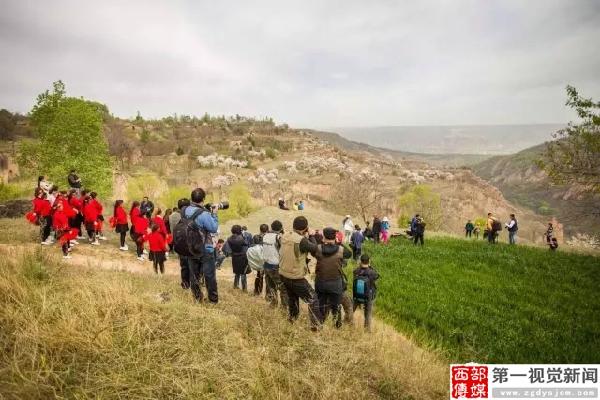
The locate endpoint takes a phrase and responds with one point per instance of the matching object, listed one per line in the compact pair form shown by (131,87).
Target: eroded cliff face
(525,185)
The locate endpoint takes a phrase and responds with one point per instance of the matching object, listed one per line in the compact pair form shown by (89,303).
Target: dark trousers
(491,237)
(185,272)
(300,289)
(376,236)
(368,309)
(205,267)
(418,237)
(240,281)
(65,249)
(275,287)
(139,245)
(258,282)
(158,261)
(122,238)
(46,227)
(91,233)
(329,294)
(468,233)
(356,252)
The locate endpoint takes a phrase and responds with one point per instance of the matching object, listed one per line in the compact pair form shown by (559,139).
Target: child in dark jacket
(364,288)
(158,248)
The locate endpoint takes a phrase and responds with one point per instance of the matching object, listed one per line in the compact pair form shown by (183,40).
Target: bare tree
(360,194)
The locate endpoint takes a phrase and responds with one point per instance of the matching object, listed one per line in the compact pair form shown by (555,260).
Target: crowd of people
(493,227)
(279,258)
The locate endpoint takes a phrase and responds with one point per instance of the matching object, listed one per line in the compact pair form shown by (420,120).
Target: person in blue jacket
(208,222)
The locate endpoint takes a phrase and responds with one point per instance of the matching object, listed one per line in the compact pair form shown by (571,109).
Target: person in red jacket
(120,222)
(160,221)
(99,209)
(77,204)
(43,209)
(158,248)
(139,226)
(90,219)
(60,223)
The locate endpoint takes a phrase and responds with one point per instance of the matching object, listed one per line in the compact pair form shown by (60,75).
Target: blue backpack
(361,289)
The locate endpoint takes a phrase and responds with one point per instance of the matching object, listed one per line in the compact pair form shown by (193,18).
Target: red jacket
(156,241)
(70,212)
(60,222)
(133,214)
(120,216)
(41,207)
(160,221)
(75,203)
(140,224)
(90,213)
(97,205)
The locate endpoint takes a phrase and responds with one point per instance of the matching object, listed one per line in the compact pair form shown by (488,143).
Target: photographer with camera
(203,262)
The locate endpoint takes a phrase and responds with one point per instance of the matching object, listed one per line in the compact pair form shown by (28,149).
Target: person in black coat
(376,229)
(237,247)
(147,208)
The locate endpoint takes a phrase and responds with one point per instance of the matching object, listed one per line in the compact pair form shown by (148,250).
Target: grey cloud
(309,63)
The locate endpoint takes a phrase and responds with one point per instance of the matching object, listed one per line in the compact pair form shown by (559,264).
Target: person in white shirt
(512,227)
(348,228)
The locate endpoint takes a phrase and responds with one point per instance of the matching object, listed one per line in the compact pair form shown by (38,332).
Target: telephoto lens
(224,205)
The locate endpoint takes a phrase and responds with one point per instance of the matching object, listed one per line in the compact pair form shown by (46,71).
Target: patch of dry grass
(73,332)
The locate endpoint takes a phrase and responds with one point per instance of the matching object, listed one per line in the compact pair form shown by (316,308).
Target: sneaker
(74,242)
(46,243)
(124,248)
(145,251)
(70,249)
(102,237)
(80,237)
(95,243)
(67,257)
(140,258)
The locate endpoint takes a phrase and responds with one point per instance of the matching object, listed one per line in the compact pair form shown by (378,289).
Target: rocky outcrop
(15,208)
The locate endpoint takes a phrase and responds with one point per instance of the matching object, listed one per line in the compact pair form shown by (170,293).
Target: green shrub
(143,185)
(421,199)
(240,203)
(271,153)
(9,191)
(169,198)
(145,136)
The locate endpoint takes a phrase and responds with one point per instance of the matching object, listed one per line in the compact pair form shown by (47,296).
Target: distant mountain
(523,183)
(439,160)
(484,139)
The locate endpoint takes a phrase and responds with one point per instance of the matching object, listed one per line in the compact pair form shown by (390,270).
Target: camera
(223,205)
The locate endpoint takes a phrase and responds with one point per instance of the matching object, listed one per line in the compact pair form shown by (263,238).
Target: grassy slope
(74,332)
(492,303)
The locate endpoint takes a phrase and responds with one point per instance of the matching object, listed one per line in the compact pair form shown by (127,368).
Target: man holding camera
(208,222)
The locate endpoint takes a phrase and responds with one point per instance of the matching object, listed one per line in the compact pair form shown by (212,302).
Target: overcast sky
(309,63)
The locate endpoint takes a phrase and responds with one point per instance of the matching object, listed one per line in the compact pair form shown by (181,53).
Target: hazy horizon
(452,139)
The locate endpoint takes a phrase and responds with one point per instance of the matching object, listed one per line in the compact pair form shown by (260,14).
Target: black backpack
(496,226)
(361,289)
(188,238)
